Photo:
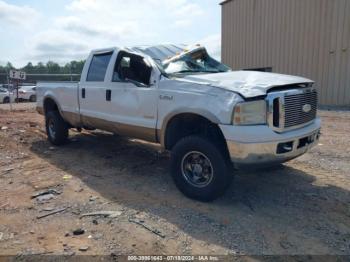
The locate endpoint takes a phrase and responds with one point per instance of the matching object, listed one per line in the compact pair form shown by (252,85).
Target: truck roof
(156,52)
(160,52)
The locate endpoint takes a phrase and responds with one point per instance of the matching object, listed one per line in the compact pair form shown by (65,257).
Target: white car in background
(26,93)
(5,96)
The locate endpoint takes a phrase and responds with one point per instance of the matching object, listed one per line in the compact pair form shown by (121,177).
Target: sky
(65,30)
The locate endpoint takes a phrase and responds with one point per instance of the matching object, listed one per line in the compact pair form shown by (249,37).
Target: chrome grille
(300,108)
(291,109)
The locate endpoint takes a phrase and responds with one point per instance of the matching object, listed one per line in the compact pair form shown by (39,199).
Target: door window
(132,68)
(98,67)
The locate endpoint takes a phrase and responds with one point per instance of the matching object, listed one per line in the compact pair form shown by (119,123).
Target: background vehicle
(27,93)
(5,96)
(7,86)
(205,114)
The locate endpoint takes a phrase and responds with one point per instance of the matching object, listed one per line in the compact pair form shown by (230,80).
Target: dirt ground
(302,207)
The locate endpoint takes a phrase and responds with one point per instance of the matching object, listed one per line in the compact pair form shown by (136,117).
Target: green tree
(9,66)
(53,68)
(40,68)
(29,68)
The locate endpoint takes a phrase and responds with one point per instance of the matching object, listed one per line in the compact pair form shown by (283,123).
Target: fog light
(286,147)
(318,135)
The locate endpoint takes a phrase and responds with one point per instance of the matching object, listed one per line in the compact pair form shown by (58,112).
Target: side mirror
(154,76)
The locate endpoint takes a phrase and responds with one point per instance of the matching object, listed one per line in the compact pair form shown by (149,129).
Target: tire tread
(221,164)
(61,128)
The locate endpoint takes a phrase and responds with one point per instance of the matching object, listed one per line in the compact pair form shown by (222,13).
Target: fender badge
(166,97)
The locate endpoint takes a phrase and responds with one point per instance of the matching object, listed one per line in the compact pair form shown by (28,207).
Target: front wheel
(56,128)
(200,169)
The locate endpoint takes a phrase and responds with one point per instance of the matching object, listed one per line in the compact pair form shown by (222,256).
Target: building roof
(225,2)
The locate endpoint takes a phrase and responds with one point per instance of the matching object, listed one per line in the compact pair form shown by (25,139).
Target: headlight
(250,113)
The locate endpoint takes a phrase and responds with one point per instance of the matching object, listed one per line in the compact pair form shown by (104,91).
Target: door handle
(108,95)
(83,92)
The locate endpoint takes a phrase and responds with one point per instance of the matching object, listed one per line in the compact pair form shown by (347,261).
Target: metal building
(309,38)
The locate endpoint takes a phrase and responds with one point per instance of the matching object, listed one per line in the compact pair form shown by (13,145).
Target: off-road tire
(221,165)
(56,128)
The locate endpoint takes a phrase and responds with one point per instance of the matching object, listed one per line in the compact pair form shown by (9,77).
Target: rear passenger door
(92,90)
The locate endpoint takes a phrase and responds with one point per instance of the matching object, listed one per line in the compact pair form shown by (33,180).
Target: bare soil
(302,207)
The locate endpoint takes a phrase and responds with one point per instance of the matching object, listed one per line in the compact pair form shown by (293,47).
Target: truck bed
(61,91)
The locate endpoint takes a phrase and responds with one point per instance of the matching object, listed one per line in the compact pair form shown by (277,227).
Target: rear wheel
(56,128)
(6,100)
(32,98)
(200,169)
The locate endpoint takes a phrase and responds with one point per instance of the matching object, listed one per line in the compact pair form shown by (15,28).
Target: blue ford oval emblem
(307,108)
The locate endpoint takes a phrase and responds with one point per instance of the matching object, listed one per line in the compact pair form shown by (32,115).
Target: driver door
(133,97)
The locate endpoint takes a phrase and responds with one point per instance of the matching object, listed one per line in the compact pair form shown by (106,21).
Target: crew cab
(210,118)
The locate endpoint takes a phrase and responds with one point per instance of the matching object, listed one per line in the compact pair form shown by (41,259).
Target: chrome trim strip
(139,132)
(72,118)
(144,133)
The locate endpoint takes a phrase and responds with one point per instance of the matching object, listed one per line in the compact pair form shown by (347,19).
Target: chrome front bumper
(281,148)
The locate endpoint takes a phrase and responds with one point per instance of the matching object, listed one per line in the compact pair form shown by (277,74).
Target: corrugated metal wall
(309,38)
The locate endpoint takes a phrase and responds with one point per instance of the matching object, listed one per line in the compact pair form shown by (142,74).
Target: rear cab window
(98,67)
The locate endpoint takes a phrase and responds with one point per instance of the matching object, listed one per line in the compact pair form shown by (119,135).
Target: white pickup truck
(209,117)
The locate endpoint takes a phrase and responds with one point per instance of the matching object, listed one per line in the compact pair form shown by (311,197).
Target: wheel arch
(51,104)
(182,124)
(5,99)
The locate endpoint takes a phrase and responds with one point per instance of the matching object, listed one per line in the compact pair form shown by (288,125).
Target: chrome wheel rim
(52,131)
(197,169)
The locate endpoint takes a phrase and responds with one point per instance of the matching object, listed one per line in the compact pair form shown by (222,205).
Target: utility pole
(70,69)
(8,89)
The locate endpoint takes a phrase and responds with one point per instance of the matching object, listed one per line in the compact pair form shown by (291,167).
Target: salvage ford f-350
(209,117)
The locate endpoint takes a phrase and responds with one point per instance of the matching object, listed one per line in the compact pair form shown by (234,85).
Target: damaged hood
(246,83)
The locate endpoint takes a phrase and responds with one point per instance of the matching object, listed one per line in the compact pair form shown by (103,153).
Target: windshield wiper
(186,71)
(199,71)
(211,71)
